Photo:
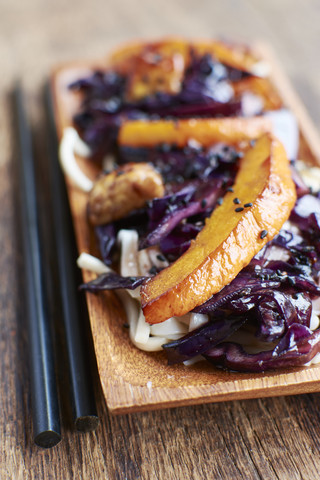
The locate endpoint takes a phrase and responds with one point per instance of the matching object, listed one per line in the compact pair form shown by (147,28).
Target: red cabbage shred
(271,299)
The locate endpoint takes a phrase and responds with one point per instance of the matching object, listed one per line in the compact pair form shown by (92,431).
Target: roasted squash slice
(140,133)
(231,236)
(153,67)
(233,55)
(160,66)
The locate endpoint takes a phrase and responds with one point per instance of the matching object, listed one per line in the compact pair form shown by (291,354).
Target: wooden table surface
(274,438)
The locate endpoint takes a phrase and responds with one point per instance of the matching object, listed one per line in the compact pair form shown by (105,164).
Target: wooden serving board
(133,380)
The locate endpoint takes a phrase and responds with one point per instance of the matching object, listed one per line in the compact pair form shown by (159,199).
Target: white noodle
(153,344)
(314,321)
(316,306)
(70,144)
(128,241)
(89,262)
(174,336)
(142,332)
(196,320)
(310,175)
(172,326)
(144,262)
(131,306)
(192,361)
(285,128)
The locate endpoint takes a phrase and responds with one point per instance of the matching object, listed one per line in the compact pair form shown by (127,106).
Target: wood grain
(270,438)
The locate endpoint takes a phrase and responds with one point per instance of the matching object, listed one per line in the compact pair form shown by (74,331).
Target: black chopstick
(74,309)
(45,406)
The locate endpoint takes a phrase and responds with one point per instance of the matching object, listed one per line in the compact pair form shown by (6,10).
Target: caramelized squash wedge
(152,67)
(159,66)
(234,55)
(206,131)
(231,236)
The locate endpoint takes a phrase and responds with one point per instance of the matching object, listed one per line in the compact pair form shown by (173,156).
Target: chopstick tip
(47,439)
(87,423)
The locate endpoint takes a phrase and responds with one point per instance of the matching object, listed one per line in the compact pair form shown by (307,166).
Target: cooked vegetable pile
(236,239)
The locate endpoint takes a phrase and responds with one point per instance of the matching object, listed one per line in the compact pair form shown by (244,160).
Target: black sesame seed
(161,258)
(126,325)
(236,200)
(239,209)
(132,279)
(263,234)
(203,203)
(247,205)
(229,189)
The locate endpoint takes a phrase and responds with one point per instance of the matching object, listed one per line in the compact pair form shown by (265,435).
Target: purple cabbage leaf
(297,347)
(112,281)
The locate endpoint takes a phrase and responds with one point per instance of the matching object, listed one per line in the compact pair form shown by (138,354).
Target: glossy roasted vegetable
(171,77)
(206,131)
(116,194)
(180,50)
(262,199)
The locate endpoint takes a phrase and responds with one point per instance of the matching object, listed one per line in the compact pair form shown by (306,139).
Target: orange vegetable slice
(153,67)
(230,238)
(159,66)
(234,55)
(206,131)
